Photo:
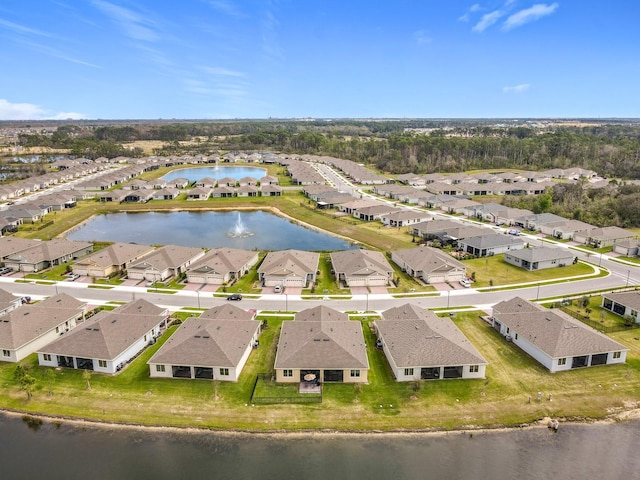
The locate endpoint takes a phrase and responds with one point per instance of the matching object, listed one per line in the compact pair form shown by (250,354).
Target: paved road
(621,275)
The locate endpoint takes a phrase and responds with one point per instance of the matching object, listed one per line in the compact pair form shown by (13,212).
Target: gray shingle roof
(331,342)
(290,262)
(23,325)
(416,337)
(360,262)
(429,260)
(628,299)
(207,342)
(108,333)
(552,331)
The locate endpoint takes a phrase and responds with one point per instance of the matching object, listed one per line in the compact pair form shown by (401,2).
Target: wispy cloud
(219,81)
(270,46)
(467,15)
(227,7)
(523,87)
(53,52)
(421,37)
(30,111)
(21,29)
(487,20)
(531,14)
(133,24)
(223,72)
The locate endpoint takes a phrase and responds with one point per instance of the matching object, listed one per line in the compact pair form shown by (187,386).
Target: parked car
(5,270)
(277,289)
(465,282)
(514,232)
(234,296)
(73,277)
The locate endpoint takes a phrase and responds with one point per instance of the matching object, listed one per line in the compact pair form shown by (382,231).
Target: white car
(465,282)
(277,289)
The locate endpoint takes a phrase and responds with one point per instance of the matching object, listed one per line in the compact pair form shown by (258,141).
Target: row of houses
(321,344)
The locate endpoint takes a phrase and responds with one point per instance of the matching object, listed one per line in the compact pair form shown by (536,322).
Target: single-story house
(12,245)
(221,265)
(270,190)
(168,193)
(603,237)
(199,193)
(9,301)
(26,329)
(207,348)
(404,218)
(47,254)
(538,258)
(223,191)
(109,260)
(492,244)
(289,268)
(109,340)
(429,264)
(419,345)
(623,303)
(628,248)
(323,345)
(165,262)
(358,268)
(553,338)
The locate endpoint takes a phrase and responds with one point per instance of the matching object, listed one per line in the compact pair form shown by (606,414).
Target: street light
(367,309)
(286,302)
(448,297)
(538,293)
(198,293)
(628,273)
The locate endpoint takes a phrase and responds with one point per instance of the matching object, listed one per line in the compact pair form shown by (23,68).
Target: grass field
(383,404)
(494,270)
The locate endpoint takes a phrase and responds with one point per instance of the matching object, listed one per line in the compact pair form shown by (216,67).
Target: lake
(262,231)
(193,174)
(31,450)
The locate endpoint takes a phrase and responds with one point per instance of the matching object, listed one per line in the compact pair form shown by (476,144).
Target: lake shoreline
(540,424)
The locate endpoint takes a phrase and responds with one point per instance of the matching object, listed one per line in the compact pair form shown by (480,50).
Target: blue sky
(118,59)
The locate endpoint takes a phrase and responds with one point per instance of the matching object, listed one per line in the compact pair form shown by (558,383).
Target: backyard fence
(597,325)
(267,392)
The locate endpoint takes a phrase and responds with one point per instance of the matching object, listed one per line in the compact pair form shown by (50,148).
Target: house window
(634,313)
(160,368)
(46,357)
(145,338)
(287,373)
(224,371)
(57,329)
(516,336)
(508,331)
(562,361)
(408,372)
(355,373)
(102,363)
(617,354)
(6,353)
(474,368)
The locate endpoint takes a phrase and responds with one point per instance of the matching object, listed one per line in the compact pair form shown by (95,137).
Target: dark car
(234,296)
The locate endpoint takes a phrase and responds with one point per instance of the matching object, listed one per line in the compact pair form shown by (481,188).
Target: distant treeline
(610,149)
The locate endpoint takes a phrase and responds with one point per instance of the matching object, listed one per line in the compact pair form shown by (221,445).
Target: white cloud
(487,20)
(467,15)
(523,87)
(134,25)
(30,111)
(530,14)
(223,72)
(421,37)
(22,29)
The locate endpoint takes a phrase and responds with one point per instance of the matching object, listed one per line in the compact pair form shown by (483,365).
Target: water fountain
(239,230)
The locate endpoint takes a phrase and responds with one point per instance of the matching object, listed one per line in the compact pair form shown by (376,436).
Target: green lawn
(382,404)
(495,269)
(597,314)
